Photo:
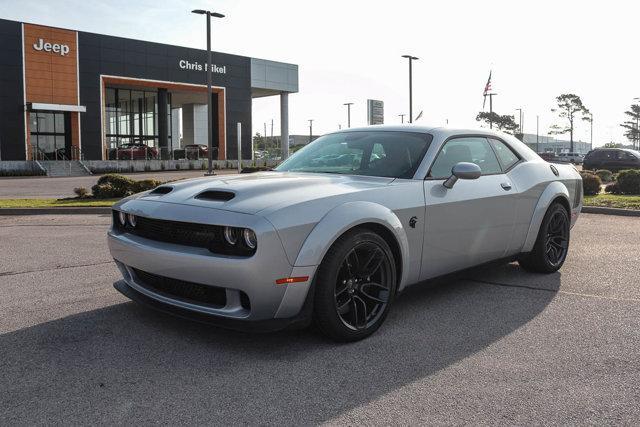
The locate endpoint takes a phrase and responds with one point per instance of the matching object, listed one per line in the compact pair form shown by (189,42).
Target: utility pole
(272,136)
(537,134)
(401,117)
(264,137)
(310,130)
(591,132)
(348,104)
(520,121)
(411,59)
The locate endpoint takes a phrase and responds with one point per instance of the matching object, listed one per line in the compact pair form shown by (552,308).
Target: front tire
(355,286)
(552,244)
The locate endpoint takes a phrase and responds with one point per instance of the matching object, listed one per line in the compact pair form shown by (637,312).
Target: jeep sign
(61,49)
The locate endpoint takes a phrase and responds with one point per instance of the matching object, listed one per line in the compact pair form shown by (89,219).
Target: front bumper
(253,276)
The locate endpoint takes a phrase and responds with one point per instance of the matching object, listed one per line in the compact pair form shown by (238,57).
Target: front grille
(182,290)
(176,232)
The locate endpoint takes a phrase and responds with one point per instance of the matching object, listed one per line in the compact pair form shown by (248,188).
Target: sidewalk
(58,188)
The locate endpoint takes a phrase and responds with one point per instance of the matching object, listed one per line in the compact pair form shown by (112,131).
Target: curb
(610,211)
(80,210)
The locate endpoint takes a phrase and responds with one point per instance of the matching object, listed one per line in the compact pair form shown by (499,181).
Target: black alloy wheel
(363,286)
(355,286)
(557,238)
(552,244)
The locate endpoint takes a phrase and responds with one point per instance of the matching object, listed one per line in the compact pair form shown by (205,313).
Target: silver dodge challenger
(333,234)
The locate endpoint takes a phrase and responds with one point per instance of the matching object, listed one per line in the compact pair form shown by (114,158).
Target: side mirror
(463,170)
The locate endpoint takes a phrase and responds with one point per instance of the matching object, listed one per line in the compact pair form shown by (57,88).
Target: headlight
(132,219)
(231,235)
(249,238)
(122,217)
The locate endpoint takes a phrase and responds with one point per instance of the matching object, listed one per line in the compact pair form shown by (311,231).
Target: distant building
(299,139)
(549,144)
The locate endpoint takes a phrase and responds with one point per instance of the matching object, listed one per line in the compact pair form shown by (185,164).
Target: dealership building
(77,95)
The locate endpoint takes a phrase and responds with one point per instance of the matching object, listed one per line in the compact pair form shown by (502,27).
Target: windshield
(373,153)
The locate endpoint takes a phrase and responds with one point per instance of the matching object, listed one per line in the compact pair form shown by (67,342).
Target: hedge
(629,181)
(112,185)
(590,183)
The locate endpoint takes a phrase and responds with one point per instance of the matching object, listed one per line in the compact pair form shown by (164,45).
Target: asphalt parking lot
(495,346)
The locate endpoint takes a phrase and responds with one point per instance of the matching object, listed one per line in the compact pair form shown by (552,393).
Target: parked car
(549,156)
(136,152)
(334,242)
(575,158)
(613,159)
(196,151)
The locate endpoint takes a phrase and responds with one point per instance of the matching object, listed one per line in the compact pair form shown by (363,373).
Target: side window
(506,156)
(623,155)
(473,150)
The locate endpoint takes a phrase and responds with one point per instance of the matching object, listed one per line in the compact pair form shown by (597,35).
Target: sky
(350,51)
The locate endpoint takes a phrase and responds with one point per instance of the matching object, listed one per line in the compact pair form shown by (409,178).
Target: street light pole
(310,130)
(591,132)
(348,104)
(411,59)
(401,117)
(537,134)
(209,84)
(520,121)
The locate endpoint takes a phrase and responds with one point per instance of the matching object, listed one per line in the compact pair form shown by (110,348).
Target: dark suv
(613,159)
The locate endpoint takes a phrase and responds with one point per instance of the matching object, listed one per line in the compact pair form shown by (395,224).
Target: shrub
(590,183)
(612,188)
(145,185)
(113,185)
(605,175)
(629,181)
(81,192)
(105,191)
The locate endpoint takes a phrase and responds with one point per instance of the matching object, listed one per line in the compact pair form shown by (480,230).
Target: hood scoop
(216,196)
(161,190)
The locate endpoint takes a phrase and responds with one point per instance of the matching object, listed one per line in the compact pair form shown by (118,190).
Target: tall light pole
(520,122)
(591,131)
(401,117)
(411,59)
(348,104)
(209,81)
(537,134)
(310,130)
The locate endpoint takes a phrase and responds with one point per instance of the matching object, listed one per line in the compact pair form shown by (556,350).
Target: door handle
(505,186)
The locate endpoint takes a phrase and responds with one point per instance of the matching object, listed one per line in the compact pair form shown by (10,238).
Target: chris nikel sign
(196,66)
(60,49)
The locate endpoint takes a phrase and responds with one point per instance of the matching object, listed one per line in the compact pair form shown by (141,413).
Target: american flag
(487,89)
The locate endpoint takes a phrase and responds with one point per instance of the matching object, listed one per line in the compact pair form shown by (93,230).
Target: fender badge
(554,170)
(413,221)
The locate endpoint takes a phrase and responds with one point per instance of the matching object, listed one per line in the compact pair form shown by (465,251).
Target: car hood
(252,193)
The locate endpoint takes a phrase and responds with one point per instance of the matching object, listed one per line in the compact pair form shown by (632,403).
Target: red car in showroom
(136,152)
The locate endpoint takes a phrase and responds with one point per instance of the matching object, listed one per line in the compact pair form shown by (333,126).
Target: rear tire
(355,286)
(552,244)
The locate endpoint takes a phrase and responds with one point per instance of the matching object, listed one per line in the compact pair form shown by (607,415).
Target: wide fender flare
(554,190)
(344,217)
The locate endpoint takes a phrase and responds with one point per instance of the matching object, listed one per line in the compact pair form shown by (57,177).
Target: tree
(505,123)
(570,108)
(632,126)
